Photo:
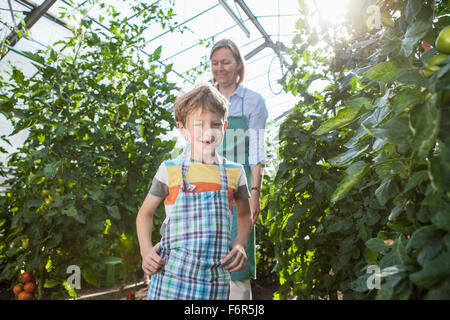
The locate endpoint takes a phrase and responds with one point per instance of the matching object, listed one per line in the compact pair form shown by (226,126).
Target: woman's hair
(230,44)
(203,96)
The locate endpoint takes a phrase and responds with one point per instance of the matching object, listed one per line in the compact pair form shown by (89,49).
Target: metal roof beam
(12,11)
(277,47)
(239,22)
(30,20)
(255,51)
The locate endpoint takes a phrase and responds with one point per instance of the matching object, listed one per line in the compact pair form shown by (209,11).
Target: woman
(243,143)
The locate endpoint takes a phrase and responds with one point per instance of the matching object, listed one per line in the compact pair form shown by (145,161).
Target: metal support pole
(239,22)
(12,11)
(30,20)
(277,47)
(255,51)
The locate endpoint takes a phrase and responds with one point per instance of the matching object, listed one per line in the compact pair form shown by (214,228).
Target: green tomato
(443,40)
(48,200)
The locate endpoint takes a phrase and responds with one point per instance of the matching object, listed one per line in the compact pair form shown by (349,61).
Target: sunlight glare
(330,12)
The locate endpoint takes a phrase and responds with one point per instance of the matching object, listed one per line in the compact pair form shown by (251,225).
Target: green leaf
(354,173)
(340,225)
(423,236)
(376,244)
(386,19)
(383,192)
(299,210)
(441,220)
(414,33)
(396,69)
(416,179)
(347,156)
(406,98)
(54,241)
(71,211)
(18,76)
(114,211)
(303,7)
(51,169)
(50,283)
(413,8)
(395,130)
(395,212)
(370,256)
(429,252)
(377,117)
(384,72)
(345,116)
(440,293)
(156,54)
(397,255)
(425,125)
(433,271)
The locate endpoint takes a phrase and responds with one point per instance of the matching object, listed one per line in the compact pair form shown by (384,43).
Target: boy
(195,256)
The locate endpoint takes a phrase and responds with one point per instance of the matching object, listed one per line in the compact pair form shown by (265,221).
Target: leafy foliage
(364,175)
(94,115)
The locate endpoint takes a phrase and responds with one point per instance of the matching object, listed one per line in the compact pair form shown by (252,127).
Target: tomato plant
(94,115)
(364,173)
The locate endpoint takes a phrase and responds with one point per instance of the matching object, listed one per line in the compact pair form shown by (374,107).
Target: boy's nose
(210,134)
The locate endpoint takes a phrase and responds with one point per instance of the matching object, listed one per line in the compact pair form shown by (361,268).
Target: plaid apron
(197,237)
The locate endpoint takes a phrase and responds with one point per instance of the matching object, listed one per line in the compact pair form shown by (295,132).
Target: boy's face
(204,130)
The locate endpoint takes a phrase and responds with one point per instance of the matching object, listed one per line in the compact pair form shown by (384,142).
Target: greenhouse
(224,149)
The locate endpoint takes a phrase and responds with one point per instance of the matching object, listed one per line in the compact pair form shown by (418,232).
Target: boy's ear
(181,129)
(225,125)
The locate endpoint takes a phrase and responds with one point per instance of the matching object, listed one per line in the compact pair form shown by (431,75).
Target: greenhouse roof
(260,27)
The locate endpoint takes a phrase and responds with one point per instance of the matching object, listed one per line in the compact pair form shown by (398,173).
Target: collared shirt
(256,113)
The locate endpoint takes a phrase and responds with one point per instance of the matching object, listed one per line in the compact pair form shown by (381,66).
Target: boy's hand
(152,262)
(240,259)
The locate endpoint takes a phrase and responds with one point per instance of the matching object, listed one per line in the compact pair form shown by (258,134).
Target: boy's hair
(203,96)
(230,44)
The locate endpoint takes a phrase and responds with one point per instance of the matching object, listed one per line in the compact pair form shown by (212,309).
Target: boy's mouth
(207,142)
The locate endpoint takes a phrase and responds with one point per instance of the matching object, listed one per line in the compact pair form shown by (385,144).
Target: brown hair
(203,96)
(230,44)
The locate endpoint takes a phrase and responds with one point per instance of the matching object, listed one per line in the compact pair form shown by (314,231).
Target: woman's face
(225,67)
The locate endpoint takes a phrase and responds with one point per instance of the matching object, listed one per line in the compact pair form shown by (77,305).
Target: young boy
(195,256)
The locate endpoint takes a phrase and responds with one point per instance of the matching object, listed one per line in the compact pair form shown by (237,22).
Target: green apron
(235,147)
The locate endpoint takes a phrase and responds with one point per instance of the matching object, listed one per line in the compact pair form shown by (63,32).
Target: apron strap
(242,104)
(184,170)
(223,175)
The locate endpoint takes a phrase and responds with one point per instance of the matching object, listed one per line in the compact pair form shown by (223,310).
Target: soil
(262,289)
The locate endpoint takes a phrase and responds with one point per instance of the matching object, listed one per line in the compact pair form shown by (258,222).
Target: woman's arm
(244,225)
(257,154)
(255,201)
